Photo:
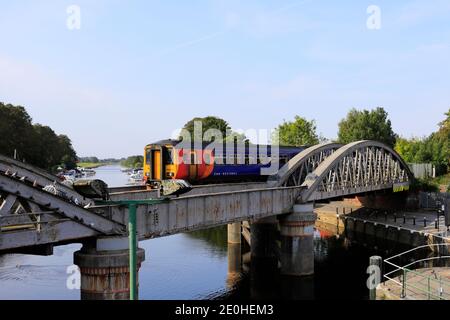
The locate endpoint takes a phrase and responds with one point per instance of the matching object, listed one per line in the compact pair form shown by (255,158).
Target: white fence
(423,170)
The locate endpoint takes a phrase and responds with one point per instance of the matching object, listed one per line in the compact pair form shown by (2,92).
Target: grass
(441,183)
(443,180)
(90,165)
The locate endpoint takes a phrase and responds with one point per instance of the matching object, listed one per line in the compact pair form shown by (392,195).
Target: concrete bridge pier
(264,258)
(234,254)
(264,236)
(104,267)
(297,241)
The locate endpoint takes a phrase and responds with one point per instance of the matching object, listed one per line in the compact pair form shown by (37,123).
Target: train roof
(173,142)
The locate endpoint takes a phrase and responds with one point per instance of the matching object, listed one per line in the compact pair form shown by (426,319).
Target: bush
(424,185)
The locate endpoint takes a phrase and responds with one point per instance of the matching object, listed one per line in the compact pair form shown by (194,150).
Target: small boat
(137,177)
(73,175)
(87,172)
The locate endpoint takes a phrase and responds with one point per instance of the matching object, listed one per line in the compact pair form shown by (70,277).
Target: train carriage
(238,162)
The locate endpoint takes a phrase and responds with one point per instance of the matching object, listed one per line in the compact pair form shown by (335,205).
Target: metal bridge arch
(297,169)
(358,167)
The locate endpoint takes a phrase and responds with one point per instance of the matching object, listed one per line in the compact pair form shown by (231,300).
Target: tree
(36,144)
(16,132)
(367,125)
(440,143)
(67,154)
(296,133)
(432,149)
(89,159)
(444,126)
(208,123)
(134,162)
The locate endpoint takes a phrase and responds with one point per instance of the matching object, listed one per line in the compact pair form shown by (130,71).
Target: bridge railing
(421,273)
(433,200)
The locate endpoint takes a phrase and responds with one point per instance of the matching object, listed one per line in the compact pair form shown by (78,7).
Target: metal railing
(433,200)
(422,273)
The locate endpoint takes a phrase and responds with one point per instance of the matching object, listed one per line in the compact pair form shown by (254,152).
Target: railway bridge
(37,212)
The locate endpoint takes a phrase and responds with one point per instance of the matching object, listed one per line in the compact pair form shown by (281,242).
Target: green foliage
(89,159)
(433,149)
(212,122)
(367,125)
(296,133)
(36,144)
(424,185)
(134,162)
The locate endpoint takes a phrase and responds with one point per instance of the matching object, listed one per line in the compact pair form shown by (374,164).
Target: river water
(194,266)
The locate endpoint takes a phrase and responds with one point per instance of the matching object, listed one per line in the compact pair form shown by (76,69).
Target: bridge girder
(355,168)
(297,169)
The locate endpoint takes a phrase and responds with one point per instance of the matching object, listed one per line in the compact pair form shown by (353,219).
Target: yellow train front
(168,159)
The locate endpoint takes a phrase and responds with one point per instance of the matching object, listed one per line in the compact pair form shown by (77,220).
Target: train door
(157,172)
(193,168)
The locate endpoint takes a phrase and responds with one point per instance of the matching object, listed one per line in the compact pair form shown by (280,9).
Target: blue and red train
(168,159)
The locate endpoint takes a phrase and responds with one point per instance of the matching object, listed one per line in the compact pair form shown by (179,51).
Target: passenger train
(169,159)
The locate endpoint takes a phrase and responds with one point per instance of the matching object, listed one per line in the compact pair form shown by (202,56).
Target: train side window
(169,155)
(148,156)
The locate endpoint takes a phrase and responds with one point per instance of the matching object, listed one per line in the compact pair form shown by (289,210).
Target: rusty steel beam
(202,211)
(64,208)
(53,233)
(38,176)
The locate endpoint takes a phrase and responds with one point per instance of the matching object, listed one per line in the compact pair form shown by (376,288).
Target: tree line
(32,143)
(434,148)
(134,162)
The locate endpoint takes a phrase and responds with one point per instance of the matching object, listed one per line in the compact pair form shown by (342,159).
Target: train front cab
(158,163)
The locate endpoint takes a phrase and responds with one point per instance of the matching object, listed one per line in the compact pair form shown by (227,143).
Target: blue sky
(138,70)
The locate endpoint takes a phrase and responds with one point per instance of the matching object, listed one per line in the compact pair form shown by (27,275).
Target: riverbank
(409,228)
(92,165)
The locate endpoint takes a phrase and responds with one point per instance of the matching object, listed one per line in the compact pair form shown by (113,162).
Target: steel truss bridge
(37,212)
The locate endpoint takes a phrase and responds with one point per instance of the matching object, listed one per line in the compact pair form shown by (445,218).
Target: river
(194,266)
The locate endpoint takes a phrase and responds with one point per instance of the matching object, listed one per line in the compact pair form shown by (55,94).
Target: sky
(128,73)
